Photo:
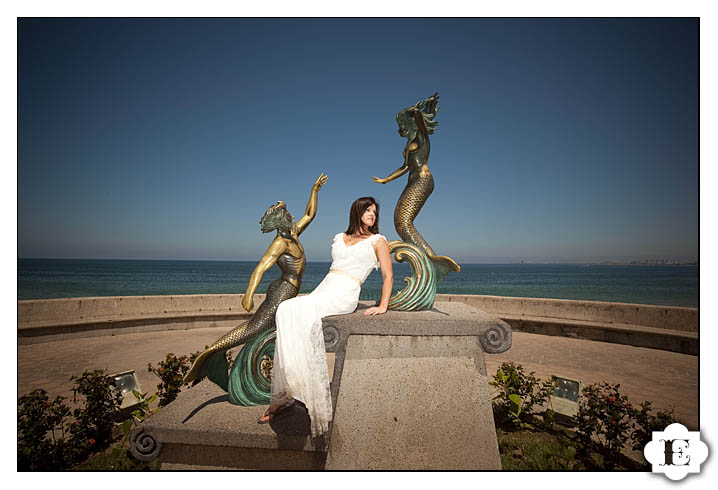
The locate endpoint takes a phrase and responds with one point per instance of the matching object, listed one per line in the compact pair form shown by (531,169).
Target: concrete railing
(661,327)
(60,319)
(666,317)
(79,309)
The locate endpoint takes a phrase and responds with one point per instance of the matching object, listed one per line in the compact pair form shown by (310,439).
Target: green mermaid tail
(247,384)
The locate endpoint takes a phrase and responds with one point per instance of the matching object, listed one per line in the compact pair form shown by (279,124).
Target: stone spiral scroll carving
(496,339)
(331,337)
(144,445)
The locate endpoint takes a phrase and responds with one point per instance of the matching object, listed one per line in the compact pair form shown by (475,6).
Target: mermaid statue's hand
(248,302)
(379,181)
(321,180)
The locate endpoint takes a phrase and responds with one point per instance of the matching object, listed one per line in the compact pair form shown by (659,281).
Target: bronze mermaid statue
(287,252)
(416,123)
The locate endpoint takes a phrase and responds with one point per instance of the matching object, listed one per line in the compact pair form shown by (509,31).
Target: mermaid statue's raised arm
(416,123)
(287,252)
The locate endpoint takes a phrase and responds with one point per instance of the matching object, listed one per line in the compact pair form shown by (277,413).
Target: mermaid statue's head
(418,118)
(278,218)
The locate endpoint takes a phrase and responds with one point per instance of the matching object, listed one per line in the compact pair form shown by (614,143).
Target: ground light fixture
(564,399)
(125,382)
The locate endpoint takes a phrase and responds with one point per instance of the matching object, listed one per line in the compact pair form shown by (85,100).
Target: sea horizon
(607,261)
(668,285)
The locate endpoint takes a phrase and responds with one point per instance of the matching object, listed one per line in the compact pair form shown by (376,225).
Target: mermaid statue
(257,334)
(416,123)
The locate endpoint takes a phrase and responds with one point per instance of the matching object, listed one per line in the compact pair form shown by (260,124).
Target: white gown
(300,360)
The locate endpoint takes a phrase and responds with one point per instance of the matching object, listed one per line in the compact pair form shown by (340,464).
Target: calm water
(62,278)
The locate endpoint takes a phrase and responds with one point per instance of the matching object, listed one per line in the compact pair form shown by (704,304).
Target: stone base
(413,403)
(202,430)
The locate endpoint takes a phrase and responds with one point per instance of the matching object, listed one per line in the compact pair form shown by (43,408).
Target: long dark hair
(357,211)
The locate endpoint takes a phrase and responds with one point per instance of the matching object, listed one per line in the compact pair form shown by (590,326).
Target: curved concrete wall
(659,327)
(87,309)
(76,309)
(668,317)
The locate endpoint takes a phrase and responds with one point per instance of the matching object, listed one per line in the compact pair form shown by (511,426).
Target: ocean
(68,278)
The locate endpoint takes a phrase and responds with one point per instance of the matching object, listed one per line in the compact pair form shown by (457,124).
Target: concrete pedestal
(413,403)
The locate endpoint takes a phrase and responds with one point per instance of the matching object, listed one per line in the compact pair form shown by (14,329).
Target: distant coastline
(647,262)
(651,262)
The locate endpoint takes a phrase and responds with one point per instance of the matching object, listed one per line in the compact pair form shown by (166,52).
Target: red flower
(92,442)
(611,399)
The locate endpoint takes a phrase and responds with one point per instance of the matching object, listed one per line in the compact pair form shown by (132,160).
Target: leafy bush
(518,394)
(38,418)
(92,429)
(47,441)
(604,421)
(646,424)
(171,371)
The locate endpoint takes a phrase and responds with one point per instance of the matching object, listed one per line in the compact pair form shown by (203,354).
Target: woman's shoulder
(338,236)
(375,238)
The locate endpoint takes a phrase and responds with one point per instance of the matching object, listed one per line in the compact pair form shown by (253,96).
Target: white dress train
(300,360)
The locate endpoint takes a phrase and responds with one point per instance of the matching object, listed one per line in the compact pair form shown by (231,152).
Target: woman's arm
(311,210)
(277,248)
(381,248)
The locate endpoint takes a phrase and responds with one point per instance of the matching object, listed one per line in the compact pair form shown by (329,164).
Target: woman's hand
(321,180)
(248,302)
(375,310)
(379,181)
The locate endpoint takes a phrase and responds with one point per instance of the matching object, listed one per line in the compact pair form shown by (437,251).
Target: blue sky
(566,139)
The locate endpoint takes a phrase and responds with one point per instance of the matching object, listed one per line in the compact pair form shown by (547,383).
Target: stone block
(413,403)
(202,429)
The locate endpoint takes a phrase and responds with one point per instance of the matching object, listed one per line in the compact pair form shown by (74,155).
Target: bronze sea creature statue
(416,123)
(243,384)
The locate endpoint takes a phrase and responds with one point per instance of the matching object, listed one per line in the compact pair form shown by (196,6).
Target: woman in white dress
(300,362)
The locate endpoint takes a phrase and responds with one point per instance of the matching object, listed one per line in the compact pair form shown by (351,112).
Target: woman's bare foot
(267,417)
(269,414)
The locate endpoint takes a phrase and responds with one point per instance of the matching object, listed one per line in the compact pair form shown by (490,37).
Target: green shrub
(518,394)
(604,421)
(646,424)
(47,440)
(41,443)
(92,429)
(171,371)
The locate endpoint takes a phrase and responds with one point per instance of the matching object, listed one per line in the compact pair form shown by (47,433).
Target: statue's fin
(216,369)
(442,266)
(194,371)
(212,364)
